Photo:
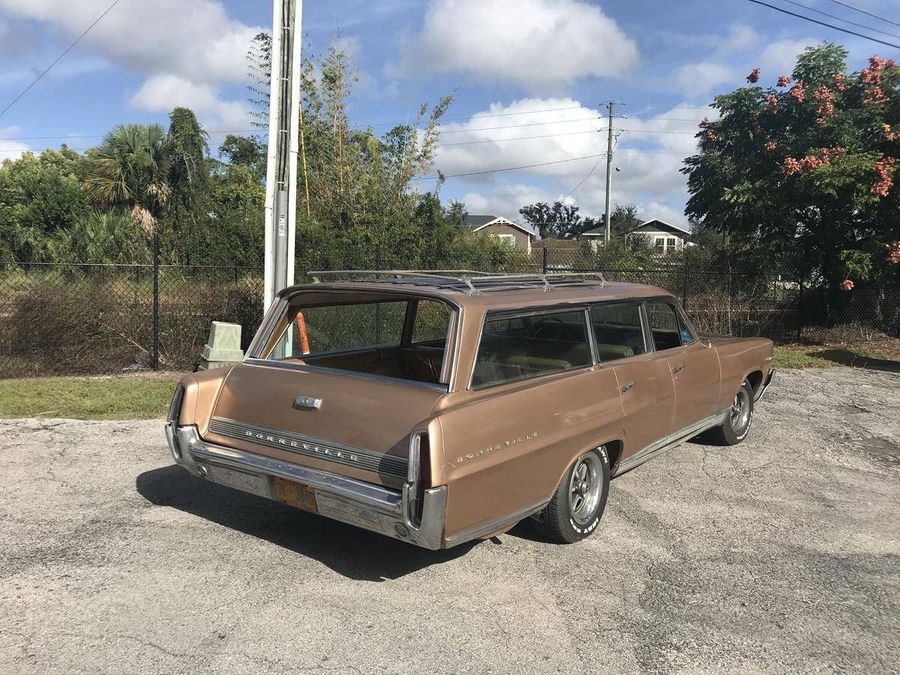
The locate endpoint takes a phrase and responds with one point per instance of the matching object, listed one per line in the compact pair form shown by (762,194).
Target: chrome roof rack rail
(471,281)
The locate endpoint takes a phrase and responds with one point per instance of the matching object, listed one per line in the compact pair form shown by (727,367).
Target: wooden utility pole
(609,158)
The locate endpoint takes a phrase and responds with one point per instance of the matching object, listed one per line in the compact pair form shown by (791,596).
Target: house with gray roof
(507,231)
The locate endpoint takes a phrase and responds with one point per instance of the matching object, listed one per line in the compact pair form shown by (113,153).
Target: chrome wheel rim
(740,412)
(585,485)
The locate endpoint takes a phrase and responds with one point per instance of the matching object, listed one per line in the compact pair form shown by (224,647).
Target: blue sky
(518,68)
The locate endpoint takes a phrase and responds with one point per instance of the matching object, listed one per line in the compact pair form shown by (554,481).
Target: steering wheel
(549,329)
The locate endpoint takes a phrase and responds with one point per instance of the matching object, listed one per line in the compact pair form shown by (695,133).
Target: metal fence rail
(90,318)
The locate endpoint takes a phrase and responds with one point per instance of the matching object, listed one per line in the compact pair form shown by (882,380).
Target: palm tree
(131,167)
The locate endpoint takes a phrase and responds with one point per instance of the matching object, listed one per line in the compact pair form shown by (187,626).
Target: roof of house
(657,225)
(477,222)
(593,232)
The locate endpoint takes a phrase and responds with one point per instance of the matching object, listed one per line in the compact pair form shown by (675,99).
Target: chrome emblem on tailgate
(307,403)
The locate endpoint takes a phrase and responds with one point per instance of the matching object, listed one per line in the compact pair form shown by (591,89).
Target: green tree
(803,170)
(557,220)
(131,168)
(39,196)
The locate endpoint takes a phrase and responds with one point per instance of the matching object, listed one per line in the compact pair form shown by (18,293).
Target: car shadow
(849,358)
(350,551)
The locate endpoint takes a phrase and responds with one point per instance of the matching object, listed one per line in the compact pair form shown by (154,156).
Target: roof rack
(471,282)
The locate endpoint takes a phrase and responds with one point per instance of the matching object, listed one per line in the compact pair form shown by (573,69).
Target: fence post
(684,283)
(544,252)
(800,312)
(154,360)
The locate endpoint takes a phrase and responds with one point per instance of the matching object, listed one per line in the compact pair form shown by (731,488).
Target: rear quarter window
(520,347)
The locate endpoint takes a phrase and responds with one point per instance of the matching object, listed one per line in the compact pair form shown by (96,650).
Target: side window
(525,346)
(664,325)
(684,328)
(618,330)
(432,319)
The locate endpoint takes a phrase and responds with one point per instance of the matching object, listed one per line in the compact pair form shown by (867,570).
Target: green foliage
(802,172)
(558,220)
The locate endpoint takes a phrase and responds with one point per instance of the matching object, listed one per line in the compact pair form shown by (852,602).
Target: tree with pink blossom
(807,169)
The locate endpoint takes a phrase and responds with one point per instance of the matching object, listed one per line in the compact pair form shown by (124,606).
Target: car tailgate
(357,426)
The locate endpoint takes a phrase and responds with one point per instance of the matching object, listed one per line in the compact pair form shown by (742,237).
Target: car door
(643,377)
(693,364)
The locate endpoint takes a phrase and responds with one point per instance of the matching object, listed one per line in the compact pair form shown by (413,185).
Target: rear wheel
(579,501)
(736,425)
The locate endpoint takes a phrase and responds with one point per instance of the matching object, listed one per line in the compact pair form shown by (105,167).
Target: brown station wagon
(443,407)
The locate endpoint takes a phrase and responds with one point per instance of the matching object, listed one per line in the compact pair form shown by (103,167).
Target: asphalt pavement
(780,554)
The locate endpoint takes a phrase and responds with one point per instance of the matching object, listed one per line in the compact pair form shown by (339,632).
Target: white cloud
(696,80)
(648,157)
(565,129)
(9,147)
(193,42)
(164,92)
(534,43)
(779,58)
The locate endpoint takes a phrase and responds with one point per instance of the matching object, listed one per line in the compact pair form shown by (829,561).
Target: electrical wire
(58,58)
(822,23)
(835,16)
(513,168)
(862,11)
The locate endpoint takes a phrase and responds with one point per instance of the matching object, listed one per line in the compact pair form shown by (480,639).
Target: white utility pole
(281,168)
(609,158)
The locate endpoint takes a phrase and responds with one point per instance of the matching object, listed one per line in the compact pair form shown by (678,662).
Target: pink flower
(825,97)
(791,166)
(798,92)
(889,132)
(770,146)
(753,77)
(771,101)
(840,81)
(885,169)
(784,81)
(846,285)
(893,255)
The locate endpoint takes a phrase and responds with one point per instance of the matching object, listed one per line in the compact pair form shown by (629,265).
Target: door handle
(678,368)
(628,385)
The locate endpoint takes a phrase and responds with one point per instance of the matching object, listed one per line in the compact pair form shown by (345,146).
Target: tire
(579,501)
(737,422)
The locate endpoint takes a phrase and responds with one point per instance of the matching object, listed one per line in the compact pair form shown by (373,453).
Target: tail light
(418,476)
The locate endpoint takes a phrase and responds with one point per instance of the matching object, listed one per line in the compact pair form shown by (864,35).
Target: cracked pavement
(779,554)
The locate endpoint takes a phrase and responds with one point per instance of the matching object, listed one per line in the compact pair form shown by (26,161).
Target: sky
(530,79)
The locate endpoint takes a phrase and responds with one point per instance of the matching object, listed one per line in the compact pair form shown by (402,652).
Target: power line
(862,11)
(822,23)
(514,168)
(211,132)
(835,16)
(480,116)
(521,138)
(58,58)
(516,126)
(583,180)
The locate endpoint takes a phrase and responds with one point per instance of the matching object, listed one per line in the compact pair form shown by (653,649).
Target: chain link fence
(90,319)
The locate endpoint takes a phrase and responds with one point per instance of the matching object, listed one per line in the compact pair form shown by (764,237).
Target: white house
(506,230)
(663,236)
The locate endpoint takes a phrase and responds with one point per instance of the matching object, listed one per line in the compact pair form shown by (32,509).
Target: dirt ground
(780,554)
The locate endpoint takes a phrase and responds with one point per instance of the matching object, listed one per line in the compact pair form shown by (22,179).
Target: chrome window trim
(308,368)
(639,305)
(263,335)
(501,313)
(673,303)
(592,339)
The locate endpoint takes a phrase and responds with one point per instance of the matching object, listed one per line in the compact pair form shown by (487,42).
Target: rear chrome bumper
(345,499)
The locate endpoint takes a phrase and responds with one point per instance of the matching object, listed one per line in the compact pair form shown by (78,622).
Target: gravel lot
(782,553)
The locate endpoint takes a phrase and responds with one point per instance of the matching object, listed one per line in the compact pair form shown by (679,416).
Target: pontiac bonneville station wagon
(443,407)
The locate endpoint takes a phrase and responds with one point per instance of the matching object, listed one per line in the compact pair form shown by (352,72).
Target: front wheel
(736,425)
(577,506)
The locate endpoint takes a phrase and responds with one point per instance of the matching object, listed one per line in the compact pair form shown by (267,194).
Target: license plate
(298,495)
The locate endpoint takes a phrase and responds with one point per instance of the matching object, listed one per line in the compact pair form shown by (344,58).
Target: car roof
(494,291)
